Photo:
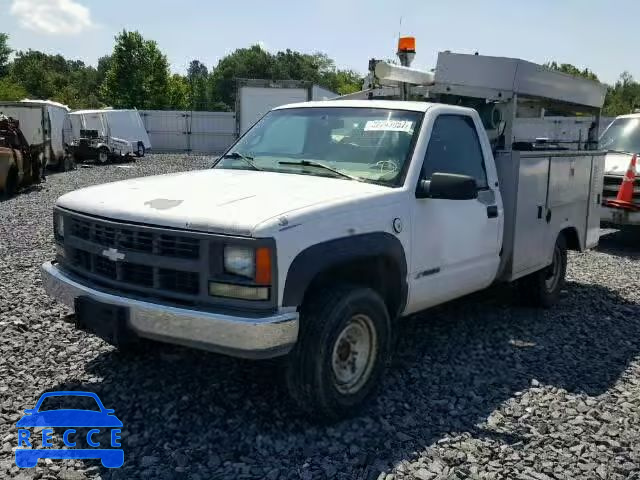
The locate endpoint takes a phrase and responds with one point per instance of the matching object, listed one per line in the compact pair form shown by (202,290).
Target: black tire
(320,351)
(542,288)
(141,150)
(11,184)
(103,156)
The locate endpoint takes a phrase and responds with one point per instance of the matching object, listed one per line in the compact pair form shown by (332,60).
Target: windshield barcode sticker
(389,126)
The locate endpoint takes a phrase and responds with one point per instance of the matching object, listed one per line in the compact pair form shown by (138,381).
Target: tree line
(136,74)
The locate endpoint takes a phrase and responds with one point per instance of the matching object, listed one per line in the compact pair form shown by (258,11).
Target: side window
(454,147)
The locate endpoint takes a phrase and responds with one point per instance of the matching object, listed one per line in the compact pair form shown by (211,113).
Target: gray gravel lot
(480,388)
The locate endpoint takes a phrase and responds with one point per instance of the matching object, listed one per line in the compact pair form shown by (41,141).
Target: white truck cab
(312,235)
(621,140)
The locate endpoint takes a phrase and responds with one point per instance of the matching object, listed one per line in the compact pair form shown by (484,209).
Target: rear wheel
(543,288)
(342,349)
(103,155)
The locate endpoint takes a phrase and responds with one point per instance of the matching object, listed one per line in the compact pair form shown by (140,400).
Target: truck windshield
(364,144)
(623,135)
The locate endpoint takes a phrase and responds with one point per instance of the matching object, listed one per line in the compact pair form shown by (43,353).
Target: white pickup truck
(321,227)
(621,140)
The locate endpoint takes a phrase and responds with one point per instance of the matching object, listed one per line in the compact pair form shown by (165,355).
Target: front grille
(612,185)
(177,281)
(153,261)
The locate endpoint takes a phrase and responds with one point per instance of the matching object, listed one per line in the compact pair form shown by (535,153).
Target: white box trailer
(256,97)
(121,131)
(46,127)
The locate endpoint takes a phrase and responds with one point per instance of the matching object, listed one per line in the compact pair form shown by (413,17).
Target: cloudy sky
(587,33)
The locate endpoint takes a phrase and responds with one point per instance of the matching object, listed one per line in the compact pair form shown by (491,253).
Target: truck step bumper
(619,217)
(239,336)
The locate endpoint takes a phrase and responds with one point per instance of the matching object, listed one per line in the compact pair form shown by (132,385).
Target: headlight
(240,261)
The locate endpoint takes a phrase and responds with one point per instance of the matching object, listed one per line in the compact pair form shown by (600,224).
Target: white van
(121,131)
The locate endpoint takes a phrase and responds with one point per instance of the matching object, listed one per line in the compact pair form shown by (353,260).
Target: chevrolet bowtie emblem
(113,254)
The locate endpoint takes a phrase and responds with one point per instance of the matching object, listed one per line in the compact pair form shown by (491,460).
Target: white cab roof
(391,104)
(629,115)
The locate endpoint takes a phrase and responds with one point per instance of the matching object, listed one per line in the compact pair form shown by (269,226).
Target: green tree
(138,74)
(252,62)
(291,65)
(571,70)
(255,62)
(104,64)
(623,97)
(42,75)
(54,77)
(179,92)
(5,51)
(197,76)
(10,90)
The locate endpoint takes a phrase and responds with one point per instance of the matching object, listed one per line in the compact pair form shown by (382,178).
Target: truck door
(455,243)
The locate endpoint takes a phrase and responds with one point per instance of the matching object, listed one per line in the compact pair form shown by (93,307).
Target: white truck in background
(621,140)
(255,97)
(328,221)
(47,129)
(107,134)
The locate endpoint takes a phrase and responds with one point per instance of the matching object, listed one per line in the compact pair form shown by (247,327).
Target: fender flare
(320,257)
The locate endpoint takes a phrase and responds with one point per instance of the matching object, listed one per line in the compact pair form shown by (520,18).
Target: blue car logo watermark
(101,440)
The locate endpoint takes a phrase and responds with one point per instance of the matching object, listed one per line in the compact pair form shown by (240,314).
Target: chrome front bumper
(240,336)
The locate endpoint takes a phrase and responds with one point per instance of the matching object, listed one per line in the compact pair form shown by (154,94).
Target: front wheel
(542,289)
(141,150)
(341,352)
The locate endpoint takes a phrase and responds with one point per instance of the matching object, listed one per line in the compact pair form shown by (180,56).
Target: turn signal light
(263,266)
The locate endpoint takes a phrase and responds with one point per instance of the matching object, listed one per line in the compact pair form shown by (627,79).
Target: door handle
(492,211)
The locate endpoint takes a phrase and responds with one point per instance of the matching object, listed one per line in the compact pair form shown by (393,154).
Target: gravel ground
(479,388)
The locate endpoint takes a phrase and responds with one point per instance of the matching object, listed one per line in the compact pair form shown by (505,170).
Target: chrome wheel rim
(102,157)
(354,354)
(553,273)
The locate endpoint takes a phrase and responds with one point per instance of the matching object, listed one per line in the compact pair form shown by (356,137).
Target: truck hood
(231,202)
(617,163)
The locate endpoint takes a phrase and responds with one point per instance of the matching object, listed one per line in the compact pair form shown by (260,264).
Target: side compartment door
(455,243)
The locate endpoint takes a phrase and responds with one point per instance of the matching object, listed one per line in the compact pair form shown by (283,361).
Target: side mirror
(448,186)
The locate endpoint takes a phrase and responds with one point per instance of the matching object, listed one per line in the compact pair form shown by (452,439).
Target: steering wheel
(383,164)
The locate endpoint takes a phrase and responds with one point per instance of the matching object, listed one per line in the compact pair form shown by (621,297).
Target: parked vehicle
(46,127)
(621,140)
(17,166)
(107,134)
(327,222)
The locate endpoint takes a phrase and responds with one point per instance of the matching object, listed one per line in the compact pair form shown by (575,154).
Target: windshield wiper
(312,163)
(247,159)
